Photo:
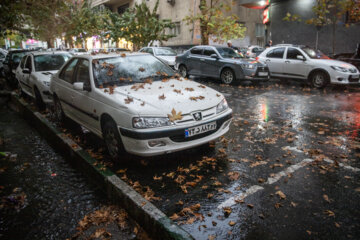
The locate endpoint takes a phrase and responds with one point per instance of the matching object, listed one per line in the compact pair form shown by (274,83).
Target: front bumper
(172,140)
(258,74)
(345,78)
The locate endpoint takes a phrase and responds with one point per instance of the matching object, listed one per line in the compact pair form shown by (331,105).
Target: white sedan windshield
(50,62)
(127,70)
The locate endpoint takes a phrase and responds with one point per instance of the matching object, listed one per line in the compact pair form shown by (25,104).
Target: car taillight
(257,58)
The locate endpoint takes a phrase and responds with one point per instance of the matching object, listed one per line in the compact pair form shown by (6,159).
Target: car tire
(112,139)
(58,111)
(183,71)
(38,99)
(227,76)
(319,79)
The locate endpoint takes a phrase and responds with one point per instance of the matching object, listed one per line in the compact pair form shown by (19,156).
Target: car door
(26,77)
(193,61)
(295,67)
(19,73)
(210,66)
(82,100)
(275,61)
(63,87)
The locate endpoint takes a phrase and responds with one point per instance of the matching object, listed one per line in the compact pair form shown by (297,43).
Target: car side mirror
(26,71)
(80,86)
(300,57)
(214,56)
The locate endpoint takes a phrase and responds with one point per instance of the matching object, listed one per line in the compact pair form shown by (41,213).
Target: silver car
(165,54)
(223,62)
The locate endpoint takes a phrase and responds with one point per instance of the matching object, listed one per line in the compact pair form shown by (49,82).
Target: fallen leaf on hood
(162,97)
(189,89)
(148,81)
(218,95)
(232,223)
(211,237)
(137,86)
(174,115)
(202,86)
(281,194)
(128,100)
(104,65)
(141,69)
(177,91)
(123,55)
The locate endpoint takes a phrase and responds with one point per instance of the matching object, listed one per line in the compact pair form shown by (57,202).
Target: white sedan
(137,103)
(306,64)
(34,73)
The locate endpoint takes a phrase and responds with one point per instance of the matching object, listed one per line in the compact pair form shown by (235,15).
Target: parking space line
(271,180)
(347,167)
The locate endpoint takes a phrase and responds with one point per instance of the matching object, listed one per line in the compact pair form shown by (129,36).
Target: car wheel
(38,100)
(183,71)
(319,79)
(112,139)
(227,76)
(59,113)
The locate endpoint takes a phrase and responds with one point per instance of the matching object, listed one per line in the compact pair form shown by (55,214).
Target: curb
(154,221)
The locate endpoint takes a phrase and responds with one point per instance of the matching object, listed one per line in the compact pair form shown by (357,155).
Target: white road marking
(232,201)
(287,171)
(354,169)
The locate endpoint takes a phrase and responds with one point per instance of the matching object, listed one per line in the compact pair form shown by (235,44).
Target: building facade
(298,32)
(189,34)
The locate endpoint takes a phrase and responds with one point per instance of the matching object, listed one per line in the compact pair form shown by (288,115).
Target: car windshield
(50,62)
(121,71)
(314,54)
(165,52)
(228,52)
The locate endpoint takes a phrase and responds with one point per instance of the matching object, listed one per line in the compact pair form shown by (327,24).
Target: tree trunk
(203,25)
(50,43)
(333,36)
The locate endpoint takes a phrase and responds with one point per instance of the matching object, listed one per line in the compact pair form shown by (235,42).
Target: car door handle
(201,59)
(267,60)
(287,61)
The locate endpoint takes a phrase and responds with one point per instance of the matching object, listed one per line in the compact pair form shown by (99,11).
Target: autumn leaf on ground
(329,213)
(156,178)
(233,176)
(141,69)
(174,217)
(250,205)
(277,205)
(174,115)
(128,100)
(179,179)
(281,194)
(191,184)
(195,207)
(171,175)
(227,211)
(162,97)
(183,188)
(210,195)
(326,198)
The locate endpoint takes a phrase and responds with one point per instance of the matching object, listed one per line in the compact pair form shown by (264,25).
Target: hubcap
(111,142)
(319,80)
(183,71)
(227,77)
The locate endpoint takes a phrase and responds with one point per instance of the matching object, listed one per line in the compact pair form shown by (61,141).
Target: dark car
(220,62)
(10,63)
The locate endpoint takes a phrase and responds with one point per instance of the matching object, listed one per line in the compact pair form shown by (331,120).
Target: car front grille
(352,70)
(353,79)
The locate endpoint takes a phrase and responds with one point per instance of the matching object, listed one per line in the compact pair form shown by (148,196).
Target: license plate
(189,132)
(262,74)
(355,77)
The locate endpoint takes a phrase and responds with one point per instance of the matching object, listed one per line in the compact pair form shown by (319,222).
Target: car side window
(68,72)
(209,52)
(196,51)
(28,63)
(82,72)
(276,53)
(292,53)
(22,63)
(150,50)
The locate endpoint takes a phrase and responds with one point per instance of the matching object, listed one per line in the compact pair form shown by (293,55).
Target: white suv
(305,63)
(137,103)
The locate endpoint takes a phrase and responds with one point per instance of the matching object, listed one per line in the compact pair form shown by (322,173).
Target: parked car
(220,62)
(118,50)
(351,58)
(253,51)
(77,51)
(34,73)
(3,54)
(137,103)
(165,54)
(10,64)
(307,64)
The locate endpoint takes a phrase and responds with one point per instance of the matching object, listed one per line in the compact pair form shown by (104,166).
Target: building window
(123,8)
(259,30)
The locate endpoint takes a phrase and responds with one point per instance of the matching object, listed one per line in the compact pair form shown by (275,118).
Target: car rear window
(121,71)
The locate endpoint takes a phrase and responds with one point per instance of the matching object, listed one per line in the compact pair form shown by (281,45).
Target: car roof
(37,53)
(109,55)
(288,45)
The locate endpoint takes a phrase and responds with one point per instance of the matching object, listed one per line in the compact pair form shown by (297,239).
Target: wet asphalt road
(298,147)
(287,169)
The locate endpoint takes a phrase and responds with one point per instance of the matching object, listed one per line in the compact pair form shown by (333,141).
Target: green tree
(213,22)
(330,12)
(12,17)
(139,25)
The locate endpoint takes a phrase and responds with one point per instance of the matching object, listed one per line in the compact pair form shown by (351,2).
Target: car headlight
(339,69)
(222,106)
(151,122)
(46,83)
(248,66)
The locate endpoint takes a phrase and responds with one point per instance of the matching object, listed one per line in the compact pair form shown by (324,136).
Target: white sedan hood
(159,98)
(44,75)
